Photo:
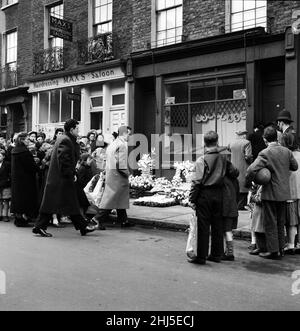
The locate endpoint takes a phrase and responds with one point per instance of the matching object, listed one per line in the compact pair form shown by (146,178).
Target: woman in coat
(24,202)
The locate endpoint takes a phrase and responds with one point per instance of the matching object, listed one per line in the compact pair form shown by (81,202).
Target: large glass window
(102,16)
(169,22)
(198,106)
(246,14)
(59,105)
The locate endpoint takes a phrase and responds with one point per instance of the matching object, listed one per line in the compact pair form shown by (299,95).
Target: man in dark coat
(24,202)
(257,141)
(60,195)
(280,161)
(288,138)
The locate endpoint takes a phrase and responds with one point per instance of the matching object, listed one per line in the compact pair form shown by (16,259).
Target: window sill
(8,6)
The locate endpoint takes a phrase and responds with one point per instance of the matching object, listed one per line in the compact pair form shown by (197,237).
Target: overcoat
(116,192)
(60,195)
(280,161)
(241,157)
(23,182)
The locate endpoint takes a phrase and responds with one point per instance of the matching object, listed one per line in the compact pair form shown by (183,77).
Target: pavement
(178,218)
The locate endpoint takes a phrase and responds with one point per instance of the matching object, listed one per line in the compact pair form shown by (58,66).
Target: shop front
(97,99)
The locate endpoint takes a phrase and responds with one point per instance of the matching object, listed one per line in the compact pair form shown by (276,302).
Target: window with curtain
(247,14)
(168,22)
(11,49)
(102,16)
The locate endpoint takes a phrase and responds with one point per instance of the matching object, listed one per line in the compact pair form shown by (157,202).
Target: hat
(32,132)
(285,115)
(241,133)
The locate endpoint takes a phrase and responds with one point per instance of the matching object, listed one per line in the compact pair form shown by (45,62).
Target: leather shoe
(290,251)
(229,258)
(87,230)
(127,224)
(214,259)
(254,252)
(270,256)
(42,232)
(197,261)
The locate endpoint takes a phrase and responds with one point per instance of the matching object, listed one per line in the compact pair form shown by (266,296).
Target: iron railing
(96,49)
(48,60)
(8,77)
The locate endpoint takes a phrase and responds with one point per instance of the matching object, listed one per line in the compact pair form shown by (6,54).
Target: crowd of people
(42,180)
(230,179)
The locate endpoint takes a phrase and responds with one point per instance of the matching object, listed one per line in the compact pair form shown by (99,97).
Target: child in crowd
(5,191)
(257,225)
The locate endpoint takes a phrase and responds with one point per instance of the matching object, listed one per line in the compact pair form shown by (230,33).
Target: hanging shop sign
(60,28)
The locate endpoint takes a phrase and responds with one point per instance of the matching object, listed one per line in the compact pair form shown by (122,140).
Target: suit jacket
(116,192)
(279,160)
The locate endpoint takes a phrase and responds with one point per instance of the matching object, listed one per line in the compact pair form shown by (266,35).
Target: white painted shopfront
(97,99)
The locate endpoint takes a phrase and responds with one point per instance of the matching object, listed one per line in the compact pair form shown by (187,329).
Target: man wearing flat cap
(288,138)
(241,158)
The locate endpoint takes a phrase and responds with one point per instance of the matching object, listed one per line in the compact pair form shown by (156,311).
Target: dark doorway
(96,121)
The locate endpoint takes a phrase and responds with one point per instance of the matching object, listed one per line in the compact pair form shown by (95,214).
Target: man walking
(279,160)
(288,138)
(60,195)
(206,197)
(116,192)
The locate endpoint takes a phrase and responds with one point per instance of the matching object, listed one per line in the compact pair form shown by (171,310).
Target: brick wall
(280,14)
(203,19)
(141,21)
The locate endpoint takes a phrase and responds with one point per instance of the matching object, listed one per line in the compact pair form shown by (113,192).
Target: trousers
(44,220)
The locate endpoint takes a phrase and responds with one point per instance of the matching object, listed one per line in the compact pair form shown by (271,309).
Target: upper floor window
(247,14)
(11,48)
(58,12)
(102,10)
(169,22)
(8,2)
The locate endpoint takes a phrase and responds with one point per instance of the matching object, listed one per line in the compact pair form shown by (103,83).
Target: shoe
(42,232)
(290,251)
(252,247)
(1,218)
(228,258)
(127,224)
(101,227)
(5,219)
(197,261)
(87,230)
(254,252)
(297,250)
(270,256)
(214,259)
(21,223)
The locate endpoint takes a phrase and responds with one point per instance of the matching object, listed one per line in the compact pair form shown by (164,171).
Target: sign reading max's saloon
(61,28)
(77,79)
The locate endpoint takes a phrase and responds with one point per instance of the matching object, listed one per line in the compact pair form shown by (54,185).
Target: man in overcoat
(280,161)
(60,195)
(241,158)
(289,137)
(116,192)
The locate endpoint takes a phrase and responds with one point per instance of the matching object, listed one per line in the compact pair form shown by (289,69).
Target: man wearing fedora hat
(288,138)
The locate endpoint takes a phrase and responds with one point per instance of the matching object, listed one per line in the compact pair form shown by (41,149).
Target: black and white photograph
(149,158)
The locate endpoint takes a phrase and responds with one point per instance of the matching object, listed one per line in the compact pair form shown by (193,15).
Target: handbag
(192,242)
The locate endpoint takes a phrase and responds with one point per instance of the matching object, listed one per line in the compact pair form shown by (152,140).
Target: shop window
(66,105)
(43,107)
(102,16)
(118,99)
(247,14)
(57,106)
(168,22)
(198,106)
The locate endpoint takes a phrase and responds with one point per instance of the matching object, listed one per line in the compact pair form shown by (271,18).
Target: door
(117,119)
(273,100)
